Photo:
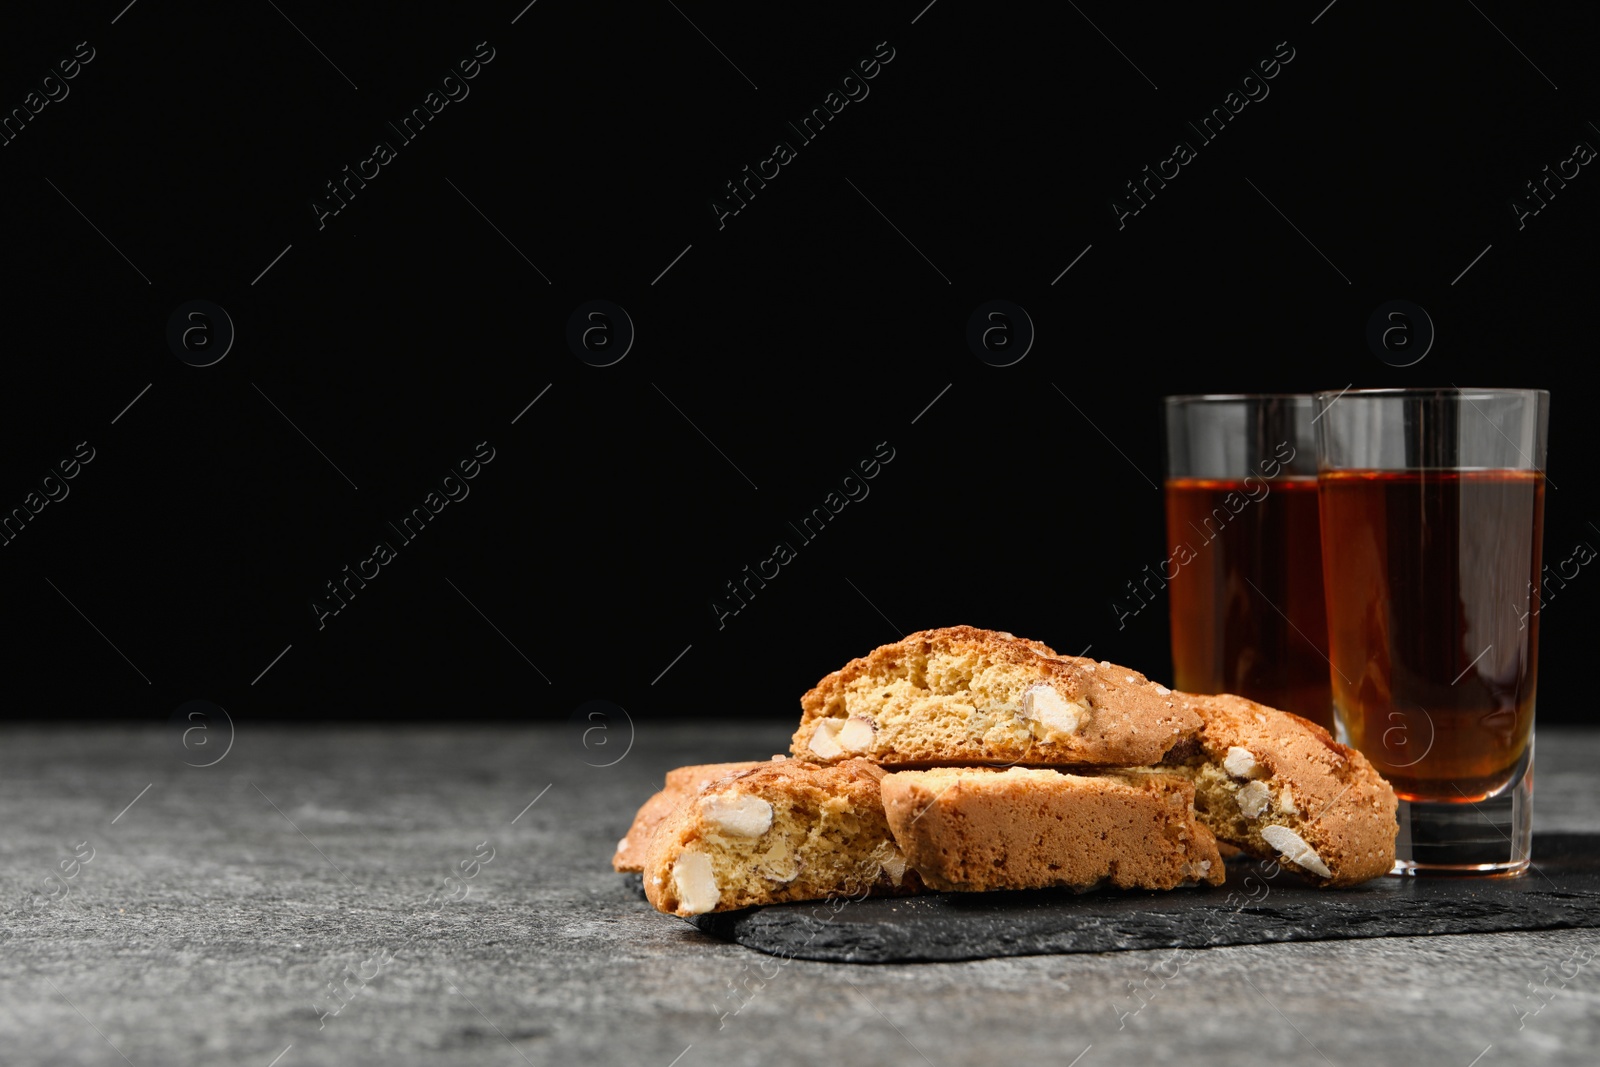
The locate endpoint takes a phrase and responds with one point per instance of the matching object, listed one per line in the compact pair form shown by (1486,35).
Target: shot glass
(1245,564)
(1432,506)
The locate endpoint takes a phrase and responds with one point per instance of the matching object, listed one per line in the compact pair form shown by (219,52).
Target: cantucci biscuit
(978,828)
(1280,787)
(785,831)
(961,695)
(680,782)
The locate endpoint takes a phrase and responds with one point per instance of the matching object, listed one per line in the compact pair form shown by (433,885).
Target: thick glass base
(1491,836)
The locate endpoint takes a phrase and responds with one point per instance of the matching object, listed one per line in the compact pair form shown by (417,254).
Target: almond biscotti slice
(1280,787)
(962,695)
(680,782)
(785,831)
(978,828)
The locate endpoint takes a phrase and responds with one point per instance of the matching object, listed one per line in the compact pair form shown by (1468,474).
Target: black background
(773,355)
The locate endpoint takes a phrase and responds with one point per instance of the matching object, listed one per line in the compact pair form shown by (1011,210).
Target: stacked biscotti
(962,759)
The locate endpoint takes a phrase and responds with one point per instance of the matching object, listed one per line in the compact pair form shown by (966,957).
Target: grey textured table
(211,921)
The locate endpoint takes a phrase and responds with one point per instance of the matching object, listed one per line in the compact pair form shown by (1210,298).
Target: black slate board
(1259,904)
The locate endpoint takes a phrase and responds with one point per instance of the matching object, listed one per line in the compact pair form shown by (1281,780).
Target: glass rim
(1187,398)
(1431,393)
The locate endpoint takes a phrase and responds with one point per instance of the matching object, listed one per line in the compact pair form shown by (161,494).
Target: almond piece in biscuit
(978,828)
(680,782)
(1280,787)
(963,695)
(784,831)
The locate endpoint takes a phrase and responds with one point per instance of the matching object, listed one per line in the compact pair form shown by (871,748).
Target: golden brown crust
(981,828)
(680,782)
(1336,802)
(797,831)
(962,695)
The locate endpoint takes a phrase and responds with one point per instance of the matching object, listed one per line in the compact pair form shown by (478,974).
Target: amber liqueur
(1246,591)
(1433,616)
